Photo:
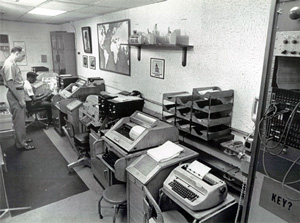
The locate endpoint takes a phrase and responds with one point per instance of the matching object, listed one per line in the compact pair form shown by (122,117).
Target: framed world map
(114,52)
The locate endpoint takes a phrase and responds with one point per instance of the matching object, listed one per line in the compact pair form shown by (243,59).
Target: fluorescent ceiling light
(48,12)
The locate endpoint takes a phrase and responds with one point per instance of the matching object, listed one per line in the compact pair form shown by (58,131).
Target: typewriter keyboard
(110,157)
(183,191)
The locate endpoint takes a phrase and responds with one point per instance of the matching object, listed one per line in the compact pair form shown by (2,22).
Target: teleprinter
(82,88)
(140,131)
(100,109)
(74,91)
(192,185)
(131,137)
(89,112)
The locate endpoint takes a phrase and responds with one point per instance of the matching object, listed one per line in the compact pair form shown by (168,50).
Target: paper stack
(165,152)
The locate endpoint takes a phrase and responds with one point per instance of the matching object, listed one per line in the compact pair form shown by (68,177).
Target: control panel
(287,43)
(285,128)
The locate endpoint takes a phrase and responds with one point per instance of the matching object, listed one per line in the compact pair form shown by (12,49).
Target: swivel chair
(153,213)
(34,112)
(80,144)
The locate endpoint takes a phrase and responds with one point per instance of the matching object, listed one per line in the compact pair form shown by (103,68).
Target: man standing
(13,80)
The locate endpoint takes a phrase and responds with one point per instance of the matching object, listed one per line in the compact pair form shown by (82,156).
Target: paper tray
(209,134)
(211,122)
(212,108)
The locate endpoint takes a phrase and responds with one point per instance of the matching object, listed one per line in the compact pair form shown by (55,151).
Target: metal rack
(206,113)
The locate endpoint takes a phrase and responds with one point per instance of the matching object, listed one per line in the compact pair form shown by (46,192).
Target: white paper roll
(145,118)
(136,131)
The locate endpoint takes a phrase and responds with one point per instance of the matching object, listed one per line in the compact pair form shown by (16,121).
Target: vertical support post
(184,56)
(139,53)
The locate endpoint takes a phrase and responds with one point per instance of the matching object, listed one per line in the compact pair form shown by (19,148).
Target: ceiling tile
(80,1)
(34,16)
(79,9)
(12,11)
(25,2)
(31,20)
(96,10)
(58,21)
(74,15)
(126,3)
(66,17)
(62,6)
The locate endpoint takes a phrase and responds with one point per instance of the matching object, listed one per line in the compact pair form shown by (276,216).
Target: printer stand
(220,213)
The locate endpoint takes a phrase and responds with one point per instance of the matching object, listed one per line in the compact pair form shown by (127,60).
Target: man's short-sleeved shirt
(11,71)
(28,90)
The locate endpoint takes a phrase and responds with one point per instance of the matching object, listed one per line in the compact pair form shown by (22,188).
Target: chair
(80,144)
(34,112)
(115,194)
(153,213)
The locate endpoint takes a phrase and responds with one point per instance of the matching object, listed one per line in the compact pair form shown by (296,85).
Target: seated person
(37,101)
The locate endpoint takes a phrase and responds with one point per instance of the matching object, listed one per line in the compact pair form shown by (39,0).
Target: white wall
(36,38)
(229,40)
(228,37)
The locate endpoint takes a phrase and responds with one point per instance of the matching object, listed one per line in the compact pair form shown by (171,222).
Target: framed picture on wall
(92,62)
(4,49)
(114,52)
(85,60)
(21,44)
(87,40)
(157,68)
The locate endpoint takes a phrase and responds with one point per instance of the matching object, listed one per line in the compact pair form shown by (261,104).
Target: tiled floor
(79,208)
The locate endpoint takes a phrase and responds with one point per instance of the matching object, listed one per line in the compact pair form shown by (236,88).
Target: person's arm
(8,73)
(39,97)
(12,88)
(42,96)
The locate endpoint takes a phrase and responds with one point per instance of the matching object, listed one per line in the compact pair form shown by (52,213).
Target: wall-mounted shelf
(184,49)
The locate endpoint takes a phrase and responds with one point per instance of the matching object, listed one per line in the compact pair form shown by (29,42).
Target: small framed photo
(93,62)
(157,68)
(86,37)
(85,60)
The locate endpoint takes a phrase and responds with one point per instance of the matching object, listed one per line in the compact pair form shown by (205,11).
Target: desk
(145,171)
(59,112)
(224,212)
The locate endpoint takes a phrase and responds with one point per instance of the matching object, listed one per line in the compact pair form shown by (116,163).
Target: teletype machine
(77,91)
(129,138)
(139,132)
(150,170)
(202,195)
(100,110)
(64,80)
(192,185)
